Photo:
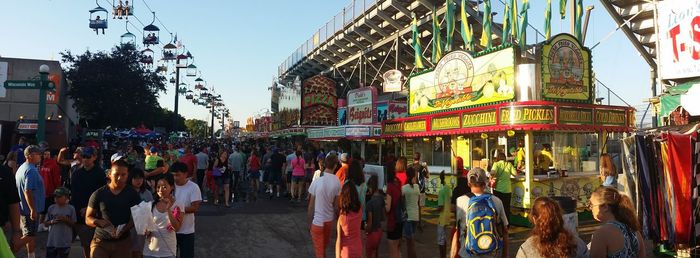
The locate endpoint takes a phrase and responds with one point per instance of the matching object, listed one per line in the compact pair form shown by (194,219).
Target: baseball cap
(61,191)
(31,149)
(154,150)
(116,156)
(477,175)
(88,151)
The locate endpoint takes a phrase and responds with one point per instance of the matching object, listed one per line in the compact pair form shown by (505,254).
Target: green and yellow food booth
(538,111)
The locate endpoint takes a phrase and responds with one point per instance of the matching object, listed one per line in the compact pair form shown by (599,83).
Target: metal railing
(352,11)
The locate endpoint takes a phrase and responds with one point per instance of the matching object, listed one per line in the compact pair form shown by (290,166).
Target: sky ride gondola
(128,37)
(151,33)
(122,10)
(98,19)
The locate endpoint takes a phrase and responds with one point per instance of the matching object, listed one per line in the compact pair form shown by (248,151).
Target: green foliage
(114,89)
(197,128)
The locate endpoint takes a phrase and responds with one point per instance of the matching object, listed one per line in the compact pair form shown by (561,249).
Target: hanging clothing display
(662,167)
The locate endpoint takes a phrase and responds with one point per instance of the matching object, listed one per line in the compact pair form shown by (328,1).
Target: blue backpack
(482,236)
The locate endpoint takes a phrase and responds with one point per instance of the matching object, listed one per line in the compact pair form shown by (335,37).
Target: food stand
(541,112)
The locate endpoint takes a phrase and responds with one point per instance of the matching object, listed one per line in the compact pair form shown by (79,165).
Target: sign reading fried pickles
(484,118)
(527,115)
(610,117)
(575,116)
(444,123)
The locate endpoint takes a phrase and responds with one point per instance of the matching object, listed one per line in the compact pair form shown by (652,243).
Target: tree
(114,89)
(197,128)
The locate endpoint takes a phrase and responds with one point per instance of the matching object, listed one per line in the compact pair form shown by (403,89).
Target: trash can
(570,217)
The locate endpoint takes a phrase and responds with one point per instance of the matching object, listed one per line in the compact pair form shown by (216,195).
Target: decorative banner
(527,115)
(319,104)
(361,107)
(392,81)
(415,126)
(566,70)
(483,118)
(678,39)
(610,117)
(575,116)
(342,115)
(382,111)
(460,81)
(53,97)
(445,123)
(392,128)
(398,110)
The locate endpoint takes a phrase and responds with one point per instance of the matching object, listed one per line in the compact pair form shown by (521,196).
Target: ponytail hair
(607,167)
(620,206)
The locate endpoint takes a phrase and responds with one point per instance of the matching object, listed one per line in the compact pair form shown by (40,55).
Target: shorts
(57,252)
(274,177)
(441,235)
(289,176)
(409,229)
(224,179)
(28,225)
(298,179)
(396,234)
(421,200)
(254,175)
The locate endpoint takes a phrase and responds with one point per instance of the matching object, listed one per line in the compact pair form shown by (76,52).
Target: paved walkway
(276,228)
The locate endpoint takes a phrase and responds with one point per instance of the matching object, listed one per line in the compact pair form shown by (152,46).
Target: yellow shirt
(545,160)
(445,200)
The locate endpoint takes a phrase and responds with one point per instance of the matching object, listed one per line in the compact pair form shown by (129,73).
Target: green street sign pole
(41,130)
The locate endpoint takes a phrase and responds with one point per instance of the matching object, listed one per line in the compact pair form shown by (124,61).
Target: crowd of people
(86,193)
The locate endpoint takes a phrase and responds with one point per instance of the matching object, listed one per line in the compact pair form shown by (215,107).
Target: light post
(41,117)
(178,66)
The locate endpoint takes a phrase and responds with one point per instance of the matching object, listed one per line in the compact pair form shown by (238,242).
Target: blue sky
(238,45)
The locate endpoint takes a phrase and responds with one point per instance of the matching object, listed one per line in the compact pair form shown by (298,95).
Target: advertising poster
(566,70)
(382,111)
(53,97)
(460,81)
(342,115)
(397,110)
(361,107)
(678,48)
(392,81)
(319,101)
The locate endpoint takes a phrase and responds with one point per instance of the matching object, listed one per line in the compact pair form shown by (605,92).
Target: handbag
(216,172)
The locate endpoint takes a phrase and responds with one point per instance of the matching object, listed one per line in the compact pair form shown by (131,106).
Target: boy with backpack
(481,222)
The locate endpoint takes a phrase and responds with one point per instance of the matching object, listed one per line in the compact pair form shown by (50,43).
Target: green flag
(562,9)
(450,20)
(548,20)
(485,40)
(513,18)
(437,43)
(579,16)
(417,51)
(523,24)
(467,34)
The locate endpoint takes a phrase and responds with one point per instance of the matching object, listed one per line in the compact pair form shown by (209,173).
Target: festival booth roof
(685,95)
(352,132)
(528,115)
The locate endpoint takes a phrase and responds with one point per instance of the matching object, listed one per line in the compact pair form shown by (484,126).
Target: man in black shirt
(277,161)
(109,211)
(9,209)
(84,181)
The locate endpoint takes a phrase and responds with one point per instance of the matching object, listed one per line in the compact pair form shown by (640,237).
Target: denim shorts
(409,229)
(298,179)
(254,175)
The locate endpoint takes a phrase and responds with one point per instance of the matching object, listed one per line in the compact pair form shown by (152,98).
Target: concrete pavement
(278,228)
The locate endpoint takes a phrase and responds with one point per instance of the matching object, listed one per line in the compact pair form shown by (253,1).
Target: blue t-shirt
(28,178)
(19,149)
